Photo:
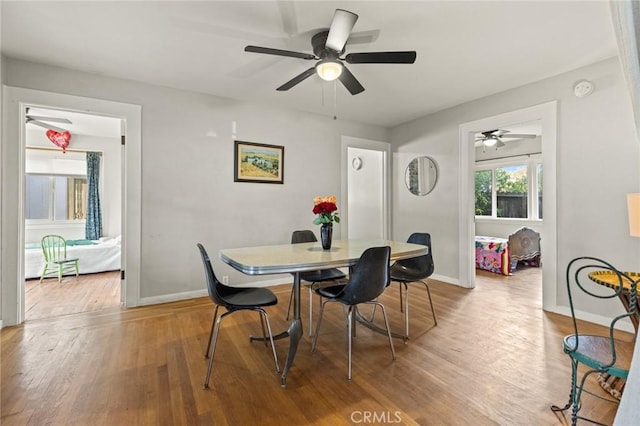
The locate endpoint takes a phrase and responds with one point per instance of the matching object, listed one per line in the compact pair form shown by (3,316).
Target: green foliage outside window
(483,193)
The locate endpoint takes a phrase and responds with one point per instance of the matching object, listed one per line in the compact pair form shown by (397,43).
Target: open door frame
(385,148)
(15,100)
(547,113)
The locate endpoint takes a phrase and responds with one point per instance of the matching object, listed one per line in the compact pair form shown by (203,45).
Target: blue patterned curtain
(93,226)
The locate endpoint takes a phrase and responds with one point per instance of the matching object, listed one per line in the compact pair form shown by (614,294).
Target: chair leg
(349,339)
(44,272)
(315,335)
(60,273)
(213,348)
(310,310)
(77,270)
(406,311)
(433,312)
(386,324)
(572,394)
(400,289)
(213,323)
(264,335)
(273,346)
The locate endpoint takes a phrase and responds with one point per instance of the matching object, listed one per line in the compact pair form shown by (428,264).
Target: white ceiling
(81,123)
(465,50)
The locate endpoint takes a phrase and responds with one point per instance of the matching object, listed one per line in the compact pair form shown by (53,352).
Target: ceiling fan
(327,48)
(42,122)
(492,138)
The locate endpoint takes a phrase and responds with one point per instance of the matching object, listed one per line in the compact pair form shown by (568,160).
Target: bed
(492,254)
(94,256)
(524,246)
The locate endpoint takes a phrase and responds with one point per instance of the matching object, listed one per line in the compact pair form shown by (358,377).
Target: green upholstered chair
(54,248)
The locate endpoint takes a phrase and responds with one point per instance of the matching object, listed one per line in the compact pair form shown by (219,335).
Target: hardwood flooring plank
(495,358)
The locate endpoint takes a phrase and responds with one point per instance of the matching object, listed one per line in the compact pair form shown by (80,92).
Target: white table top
(288,258)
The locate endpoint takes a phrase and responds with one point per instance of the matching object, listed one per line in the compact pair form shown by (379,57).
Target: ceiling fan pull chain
(335,99)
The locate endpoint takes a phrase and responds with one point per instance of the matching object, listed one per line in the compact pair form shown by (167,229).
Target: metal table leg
(294,332)
(295,329)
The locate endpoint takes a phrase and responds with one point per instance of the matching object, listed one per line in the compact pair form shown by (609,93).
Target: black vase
(326,234)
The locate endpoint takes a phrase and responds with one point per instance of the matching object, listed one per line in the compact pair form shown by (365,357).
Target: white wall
(188,193)
(598,159)
(2,234)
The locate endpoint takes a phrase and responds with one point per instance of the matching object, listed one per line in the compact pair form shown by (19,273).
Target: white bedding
(99,257)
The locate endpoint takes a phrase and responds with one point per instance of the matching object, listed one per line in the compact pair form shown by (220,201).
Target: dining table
(302,257)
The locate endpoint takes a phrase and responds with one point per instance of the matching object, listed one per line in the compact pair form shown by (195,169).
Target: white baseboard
(1,325)
(446,279)
(174,297)
(624,325)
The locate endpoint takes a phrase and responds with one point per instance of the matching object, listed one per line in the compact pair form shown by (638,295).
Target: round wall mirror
(421,175)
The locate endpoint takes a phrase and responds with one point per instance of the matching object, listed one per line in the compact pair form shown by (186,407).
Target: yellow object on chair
(54,248)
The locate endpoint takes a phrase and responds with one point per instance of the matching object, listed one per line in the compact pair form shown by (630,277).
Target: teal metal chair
(609,354)
(54,248)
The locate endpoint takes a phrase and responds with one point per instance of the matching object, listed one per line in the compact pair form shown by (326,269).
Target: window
(55,198)
(509,189)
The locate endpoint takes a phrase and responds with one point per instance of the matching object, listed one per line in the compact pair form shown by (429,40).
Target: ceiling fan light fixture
(329,69)
(490,141)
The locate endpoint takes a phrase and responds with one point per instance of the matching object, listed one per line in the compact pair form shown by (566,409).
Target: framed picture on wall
(256,162)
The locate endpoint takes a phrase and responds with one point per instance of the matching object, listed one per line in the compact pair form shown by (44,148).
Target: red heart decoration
(60,139)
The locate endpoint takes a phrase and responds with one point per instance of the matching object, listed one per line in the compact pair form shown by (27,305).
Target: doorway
(58,145)
(15,101)
(546,114)
(365,188)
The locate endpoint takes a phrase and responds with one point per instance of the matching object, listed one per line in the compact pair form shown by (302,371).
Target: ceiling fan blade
(408,57)
(350,82)
(518,136)
(363,37)
(490,132)
(46,126)
(297,79)
(54,119)
(340,30)
(279,52)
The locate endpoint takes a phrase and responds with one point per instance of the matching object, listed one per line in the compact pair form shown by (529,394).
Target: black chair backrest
(216,289)
(369,277)
(420,265)
(305,236)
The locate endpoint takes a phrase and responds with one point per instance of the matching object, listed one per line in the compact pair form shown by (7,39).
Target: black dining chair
(414,270)
(234,299)
(313,278)
(367,281)
(609,353)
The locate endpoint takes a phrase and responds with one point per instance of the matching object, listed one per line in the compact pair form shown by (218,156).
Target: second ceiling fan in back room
(495,138)
(327,47)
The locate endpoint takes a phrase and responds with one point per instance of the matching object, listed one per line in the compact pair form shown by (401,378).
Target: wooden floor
(86,293)
(495,358)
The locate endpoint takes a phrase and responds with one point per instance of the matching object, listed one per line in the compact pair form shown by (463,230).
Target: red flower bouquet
(325,208)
